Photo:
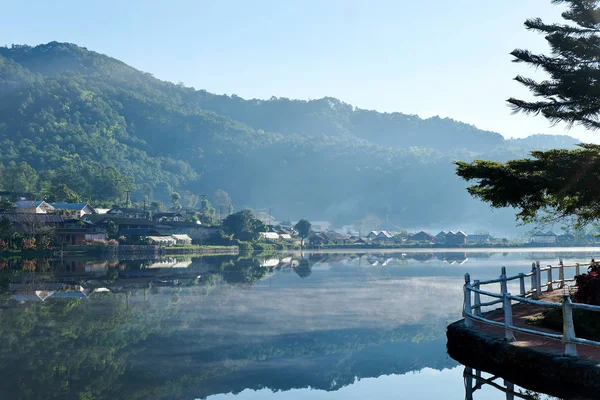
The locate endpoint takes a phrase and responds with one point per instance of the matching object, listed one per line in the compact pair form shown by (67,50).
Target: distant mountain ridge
(64,108)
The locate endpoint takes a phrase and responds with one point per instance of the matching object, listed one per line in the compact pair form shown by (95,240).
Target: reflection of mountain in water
(161,336)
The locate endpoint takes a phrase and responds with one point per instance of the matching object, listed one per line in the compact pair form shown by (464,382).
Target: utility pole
(270,221)
(127,201)
(230,208)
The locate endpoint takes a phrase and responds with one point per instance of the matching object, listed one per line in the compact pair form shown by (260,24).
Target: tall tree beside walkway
(554,184)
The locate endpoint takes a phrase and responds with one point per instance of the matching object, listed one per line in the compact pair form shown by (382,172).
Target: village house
(480,238)
(75,232)
(72,210)
(440,237)
(269,235)
(34,224)
(168,217)
(422,237)
(456,238)
(162,240)
(32,207)
(380,236)
(128,213)
(182,239)
(544,238)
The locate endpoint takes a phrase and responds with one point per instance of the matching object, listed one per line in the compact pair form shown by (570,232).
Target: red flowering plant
(588,285)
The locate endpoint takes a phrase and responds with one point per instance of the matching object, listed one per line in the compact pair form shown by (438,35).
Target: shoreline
(124,250)
(543,371)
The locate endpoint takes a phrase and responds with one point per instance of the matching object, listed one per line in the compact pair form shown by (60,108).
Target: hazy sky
(436,57)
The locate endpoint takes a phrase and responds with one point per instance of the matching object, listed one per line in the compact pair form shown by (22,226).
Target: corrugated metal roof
(30,203)
(24,218)
(70,206)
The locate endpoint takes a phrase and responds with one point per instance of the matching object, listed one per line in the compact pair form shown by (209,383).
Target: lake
(290,326)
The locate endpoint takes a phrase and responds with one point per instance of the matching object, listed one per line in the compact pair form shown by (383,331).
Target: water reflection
(293,325)
(477,381)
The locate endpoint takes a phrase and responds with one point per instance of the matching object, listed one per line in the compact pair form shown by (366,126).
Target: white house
(162,240)
(32,207)
(269,235)
(182,239)
(73,210)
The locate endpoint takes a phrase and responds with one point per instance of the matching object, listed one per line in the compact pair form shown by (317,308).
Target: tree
(554,184)
(303,229)
(20,178)
(6,231)
(175,200)
(572,94)
(157,206)
(208,215)
(62,193)
(243,226)
(111,230)
(303,269)
(222,199)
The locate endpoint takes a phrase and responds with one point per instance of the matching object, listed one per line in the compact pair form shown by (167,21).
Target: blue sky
(427,58)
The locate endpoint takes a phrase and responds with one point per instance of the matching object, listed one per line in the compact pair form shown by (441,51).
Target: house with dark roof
(380,236)
(422,237)
(34,224)
(440,237)
(456,238)
(72,210)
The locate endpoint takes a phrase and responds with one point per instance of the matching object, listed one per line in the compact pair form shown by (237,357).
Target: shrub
(29,244)
(588,285)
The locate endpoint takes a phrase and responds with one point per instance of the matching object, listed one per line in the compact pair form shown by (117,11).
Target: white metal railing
(472,302)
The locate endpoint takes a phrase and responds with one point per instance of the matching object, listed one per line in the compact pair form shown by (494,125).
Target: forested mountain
(91,122)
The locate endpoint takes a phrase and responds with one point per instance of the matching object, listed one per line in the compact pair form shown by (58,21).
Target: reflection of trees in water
(244,271)
(303,269)
(98,348)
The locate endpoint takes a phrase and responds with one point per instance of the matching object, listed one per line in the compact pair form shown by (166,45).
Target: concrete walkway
(521,313)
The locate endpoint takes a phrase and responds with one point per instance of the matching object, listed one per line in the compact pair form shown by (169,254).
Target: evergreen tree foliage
(572,92)
(554,184)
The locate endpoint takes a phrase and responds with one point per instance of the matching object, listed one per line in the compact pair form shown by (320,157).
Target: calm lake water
(318,326)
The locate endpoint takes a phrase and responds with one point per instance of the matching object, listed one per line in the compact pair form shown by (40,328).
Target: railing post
(467,311)
(510,390)
(561,274)
(577,270)
(468,377)
(522,291)
(508,318)
(538,275)
(534,291)
(550,288)
(503,287)
(568,327)
(477,298)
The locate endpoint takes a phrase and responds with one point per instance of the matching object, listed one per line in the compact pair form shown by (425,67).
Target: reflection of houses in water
(453,258)
(422,257)
(170,263)
(33,292)
(270,263)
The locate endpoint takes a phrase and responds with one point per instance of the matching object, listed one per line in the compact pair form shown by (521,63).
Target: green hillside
(101,127)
